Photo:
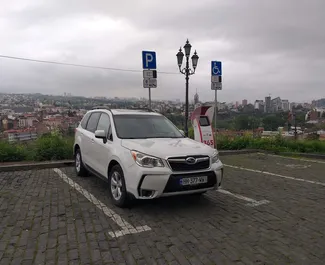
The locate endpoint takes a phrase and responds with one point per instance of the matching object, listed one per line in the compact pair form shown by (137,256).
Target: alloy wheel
(116,185)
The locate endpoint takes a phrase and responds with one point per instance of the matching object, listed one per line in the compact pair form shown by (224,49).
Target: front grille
(173,184)
(180,164)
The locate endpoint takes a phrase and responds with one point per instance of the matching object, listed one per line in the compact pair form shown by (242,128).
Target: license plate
(193,180)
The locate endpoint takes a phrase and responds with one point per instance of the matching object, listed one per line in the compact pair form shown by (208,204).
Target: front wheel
(117,187)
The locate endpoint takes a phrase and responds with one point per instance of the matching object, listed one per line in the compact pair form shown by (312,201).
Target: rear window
(84,120)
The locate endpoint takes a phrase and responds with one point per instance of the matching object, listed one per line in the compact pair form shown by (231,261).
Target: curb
(238,152)
(37,165)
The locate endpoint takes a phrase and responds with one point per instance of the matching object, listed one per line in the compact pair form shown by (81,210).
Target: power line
(80,65)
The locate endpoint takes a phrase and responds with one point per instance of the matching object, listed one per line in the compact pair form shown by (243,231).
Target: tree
(242,122)
(273,122)
(248,108)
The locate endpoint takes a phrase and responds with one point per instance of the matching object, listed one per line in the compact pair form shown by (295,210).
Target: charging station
(201,119)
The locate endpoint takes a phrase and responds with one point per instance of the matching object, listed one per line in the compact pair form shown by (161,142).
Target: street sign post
(149,82)
(216,84)
(149,73)
(149,66)
(149,60)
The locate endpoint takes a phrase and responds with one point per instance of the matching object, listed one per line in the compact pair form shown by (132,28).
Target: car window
(93,121)
(84,120)
(104,123)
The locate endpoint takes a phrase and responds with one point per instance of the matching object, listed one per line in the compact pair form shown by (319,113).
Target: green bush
(53,147)
(12,153)
(46,148)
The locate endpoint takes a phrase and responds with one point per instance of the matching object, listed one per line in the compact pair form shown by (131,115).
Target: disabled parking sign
(216,68)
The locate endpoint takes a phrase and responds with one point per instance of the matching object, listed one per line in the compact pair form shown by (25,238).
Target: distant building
(196,98)
(259,104)
(276,104)
(315,114)
(320,103)
(244,102)
(21,135)
(285,105)
(267,106)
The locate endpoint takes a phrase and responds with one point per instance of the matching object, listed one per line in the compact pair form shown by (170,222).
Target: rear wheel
(117,187)
(79,166)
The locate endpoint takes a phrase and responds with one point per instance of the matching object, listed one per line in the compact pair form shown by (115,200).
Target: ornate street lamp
(187,72)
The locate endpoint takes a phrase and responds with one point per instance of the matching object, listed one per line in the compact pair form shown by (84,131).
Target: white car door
(89,139)
(102,150)
(81,137)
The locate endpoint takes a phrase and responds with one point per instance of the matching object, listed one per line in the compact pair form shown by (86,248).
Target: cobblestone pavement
(43,220)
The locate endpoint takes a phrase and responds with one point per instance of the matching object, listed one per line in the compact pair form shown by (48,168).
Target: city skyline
(191,99)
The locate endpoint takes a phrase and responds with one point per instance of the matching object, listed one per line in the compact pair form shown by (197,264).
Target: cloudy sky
(267,47)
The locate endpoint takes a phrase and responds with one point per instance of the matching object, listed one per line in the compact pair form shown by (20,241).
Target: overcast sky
(267,47)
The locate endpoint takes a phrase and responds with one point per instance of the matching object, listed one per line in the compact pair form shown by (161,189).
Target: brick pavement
(45,221)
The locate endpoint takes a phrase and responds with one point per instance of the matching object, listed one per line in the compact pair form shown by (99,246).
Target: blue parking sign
(216,68)
(149,60)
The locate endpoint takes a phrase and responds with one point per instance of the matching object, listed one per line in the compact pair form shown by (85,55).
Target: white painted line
(277,175)
(251,202)
(126,228)
(295,158)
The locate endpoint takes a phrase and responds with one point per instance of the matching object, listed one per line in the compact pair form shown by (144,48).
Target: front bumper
(159,182)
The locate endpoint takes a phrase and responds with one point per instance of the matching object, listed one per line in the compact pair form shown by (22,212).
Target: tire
(117,188)
(79,167)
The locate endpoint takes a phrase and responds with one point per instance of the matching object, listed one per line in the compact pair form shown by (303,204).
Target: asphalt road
(270,211)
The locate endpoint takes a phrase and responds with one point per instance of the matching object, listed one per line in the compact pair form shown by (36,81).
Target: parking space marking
(251,202)
(126,228)
(295,158)
(277,175)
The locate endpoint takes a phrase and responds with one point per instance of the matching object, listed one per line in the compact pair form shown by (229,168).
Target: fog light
(147,193)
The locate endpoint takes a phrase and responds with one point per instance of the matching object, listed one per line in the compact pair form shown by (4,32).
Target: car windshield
(145,126)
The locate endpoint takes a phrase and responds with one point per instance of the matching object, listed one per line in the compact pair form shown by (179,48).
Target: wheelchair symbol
(215,69)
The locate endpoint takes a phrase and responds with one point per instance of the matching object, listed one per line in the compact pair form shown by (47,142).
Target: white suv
(143,155)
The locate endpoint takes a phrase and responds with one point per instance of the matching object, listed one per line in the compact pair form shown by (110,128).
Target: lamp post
(187,72)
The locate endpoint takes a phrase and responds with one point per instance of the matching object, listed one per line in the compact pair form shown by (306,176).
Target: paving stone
(45,221)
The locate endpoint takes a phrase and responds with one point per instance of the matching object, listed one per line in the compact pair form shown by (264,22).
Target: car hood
(166,147)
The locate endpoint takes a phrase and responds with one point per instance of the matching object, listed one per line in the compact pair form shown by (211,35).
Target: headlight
(215,157)
(144,160)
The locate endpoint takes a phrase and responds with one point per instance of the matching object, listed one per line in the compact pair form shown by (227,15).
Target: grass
(56,147)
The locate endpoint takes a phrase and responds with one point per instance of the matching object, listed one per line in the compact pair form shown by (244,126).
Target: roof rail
(144,109)
(101,107)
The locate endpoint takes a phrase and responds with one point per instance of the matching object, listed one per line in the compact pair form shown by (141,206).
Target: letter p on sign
(149,60)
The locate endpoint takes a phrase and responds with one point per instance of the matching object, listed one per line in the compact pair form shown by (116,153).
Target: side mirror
(101,134)
(182,132)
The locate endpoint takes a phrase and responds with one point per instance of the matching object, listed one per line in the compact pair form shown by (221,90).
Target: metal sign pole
(149,97)
(215,118)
